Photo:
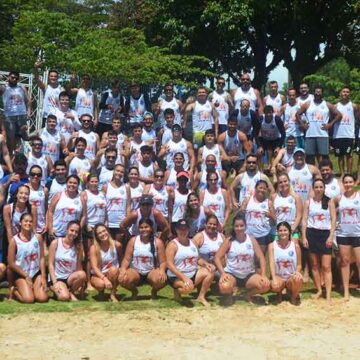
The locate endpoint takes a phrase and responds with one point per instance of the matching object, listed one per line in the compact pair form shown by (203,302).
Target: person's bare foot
(89,287)
(73,297)
(134,294)
(154,295)
(316,296)
(11,293)
(295,301)
(177,296)
(249,298)
(203,301)
(278,299)
(113,298)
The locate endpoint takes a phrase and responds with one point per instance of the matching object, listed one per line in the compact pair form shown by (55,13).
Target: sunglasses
(159,176)
(251,162)
(35,174)
(86,121)
(221,83)
(111,157)
(37,144)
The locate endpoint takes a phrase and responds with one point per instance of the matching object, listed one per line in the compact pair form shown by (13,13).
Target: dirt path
(311,331)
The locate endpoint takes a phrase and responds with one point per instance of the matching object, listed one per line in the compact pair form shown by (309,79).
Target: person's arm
(197,179)
(68,159)
(83,213)
(272,261)
(270,185)
(160,247)
(125,263)
(299,211)
(51,261)
(271,214)
(277,160)
(128,200)
(223,155)
(94,265)
(314,171)
(192,158)
(280,126)
(244,205)
(216,120)
(27,102)
(332,210)
(246,144)
(50,165)
(198,239)
(298,114)
(171,203)
(335,114)
(304,224)
(126,223)
(97,159)
(163,224)
(5,154)
(219,259)
(70,87)
(12,260)
(39,83)
(259,102)
(170,252)
(199,157)
(50,214)
(188,108)
(233,186)
(7,221)
(34,216)
(63,146)
(227,207)
(260,256)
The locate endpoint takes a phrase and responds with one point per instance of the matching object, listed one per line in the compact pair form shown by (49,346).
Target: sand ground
(311,331)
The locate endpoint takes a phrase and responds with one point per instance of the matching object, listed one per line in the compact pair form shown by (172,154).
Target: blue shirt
(14,185)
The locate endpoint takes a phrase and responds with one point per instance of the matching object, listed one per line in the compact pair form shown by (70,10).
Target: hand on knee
(226,289)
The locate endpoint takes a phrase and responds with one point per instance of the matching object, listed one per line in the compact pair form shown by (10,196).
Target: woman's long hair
(152,238)
(97,243)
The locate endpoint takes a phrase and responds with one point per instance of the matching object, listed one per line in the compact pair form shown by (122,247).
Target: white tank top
(289,118)
(51,100)
(148,135)
(210,246)
(346,127)
(185,259)
(106,115)
(215,150)
(172,181)
(198,224)
(285,260)
(142,259)
(115,205)
(288,158)
(55,188)
(15,218)
(166,136)
(51,144)
(258,225)
(301,101)
(175,147)
(103,160)
(79,167)
(172,104)
(179,205)
(105,176)
(91,143)
(136,194)
(248,95)
(332,189)
(223,108)
(247,185)
(95,208)
(269,131)
(349,216)
(301,181)
(317,115)
(161,199)
(240,259)
(318,218)
(146,171)
(41,161)
(14,101)
(202,117)
(136,109)
(66,126)
(244,123)
(28,255)
(285,209)
(233,146)
(109,259)
(84,103)
(275,102)
(37,198)
(136,156)
(65,260)
(134,230)
(216,203)
(66,210)
(203,182)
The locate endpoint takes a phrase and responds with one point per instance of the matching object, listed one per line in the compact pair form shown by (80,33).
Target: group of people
(119,192)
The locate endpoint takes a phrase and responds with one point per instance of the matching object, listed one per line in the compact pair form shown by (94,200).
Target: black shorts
(270,144)
(171,280)
(17,276)
(349,241)
(265,240)
(114,232)
(229,165)
(343,146)
(317,241)
(65,281)
(241,283)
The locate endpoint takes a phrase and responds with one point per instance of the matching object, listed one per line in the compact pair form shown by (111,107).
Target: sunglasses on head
(32,174)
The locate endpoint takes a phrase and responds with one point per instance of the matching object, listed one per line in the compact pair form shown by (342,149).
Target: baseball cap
(182,224)
(146,148)
(299,150)
(182,174)
(176,127)
(146,200)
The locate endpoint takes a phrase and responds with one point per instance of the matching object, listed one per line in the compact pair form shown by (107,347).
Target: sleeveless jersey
(51,144)
(106,115)
(136,194)
(222,107)
(115,204)
(65,260)
(66,210)
(233,146)
(37,198)
(197,224)
(161,199)
(91,143)
(210,246)
(136,109)
(136,155)
(15,218)
(42,162)
(51,100)
(202,117)
(215,150)
(301,181)
(244,123)
(250,95)
(14,101)
(240,259)
(142,259)
(65,125)
(216,203)
(332,189)
(172,181)
(285,209)
(28,255)
(149,136)
(84,102)
(349,216)
(346,127)
(258,225)
(247,185)
(275,102)
(288,158)
(55,188)
(301,101)
(105,176)
(285,260)
(185,259)
(318,218)
(109,259)
(166,136)
(269,131)
(317,115)
(95,208)
(146,171)
(289,118)
(172,104)
(179,205)
(134,230)
(79,167)
(175,147)
(203,182)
